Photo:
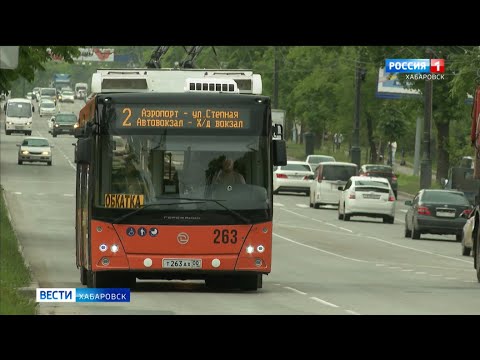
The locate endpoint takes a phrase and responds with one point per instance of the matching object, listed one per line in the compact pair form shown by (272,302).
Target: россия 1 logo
(427,67)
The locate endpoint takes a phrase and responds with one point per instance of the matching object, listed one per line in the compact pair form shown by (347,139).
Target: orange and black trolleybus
(148,202)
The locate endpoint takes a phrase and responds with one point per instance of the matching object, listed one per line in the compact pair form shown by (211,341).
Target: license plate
(371,196)
(182,263)
(18,127)
(445,214)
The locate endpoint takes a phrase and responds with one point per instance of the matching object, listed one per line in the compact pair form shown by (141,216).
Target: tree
(33,58)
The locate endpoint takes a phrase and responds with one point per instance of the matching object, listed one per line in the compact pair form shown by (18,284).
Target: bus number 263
(225,236)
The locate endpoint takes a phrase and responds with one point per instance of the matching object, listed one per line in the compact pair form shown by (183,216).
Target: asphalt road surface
(321,265)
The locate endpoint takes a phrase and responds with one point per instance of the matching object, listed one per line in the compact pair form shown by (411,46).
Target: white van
(49,93)
(19,115)
(81,90)
(328,177)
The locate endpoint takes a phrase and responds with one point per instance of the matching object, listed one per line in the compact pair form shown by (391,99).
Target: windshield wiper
(237,214)
(123,217)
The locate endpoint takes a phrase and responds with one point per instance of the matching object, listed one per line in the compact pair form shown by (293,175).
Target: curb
(30,290)
(405,194)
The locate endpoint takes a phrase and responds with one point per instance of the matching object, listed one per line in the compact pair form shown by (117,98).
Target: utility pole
(426,166)
(418,137)
(355,150)
(275,79)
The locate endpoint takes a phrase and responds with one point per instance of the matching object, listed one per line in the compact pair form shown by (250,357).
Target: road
(321,265)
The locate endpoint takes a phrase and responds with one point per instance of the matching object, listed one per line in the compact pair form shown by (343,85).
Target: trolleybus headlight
(260,248)
(114,248)
(103,247)
(250,249)
(258,262)
(105,261)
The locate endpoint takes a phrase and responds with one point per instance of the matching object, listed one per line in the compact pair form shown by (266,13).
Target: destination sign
(149,117)
(123,201)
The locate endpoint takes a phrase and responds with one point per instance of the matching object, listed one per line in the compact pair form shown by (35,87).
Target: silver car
(35,149)
(67,96)
(47,107)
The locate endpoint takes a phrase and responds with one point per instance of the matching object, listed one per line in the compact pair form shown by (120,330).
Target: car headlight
(75,126)
(46,153)
(56,125)
(25,152)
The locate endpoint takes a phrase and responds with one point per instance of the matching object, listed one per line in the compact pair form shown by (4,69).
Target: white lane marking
(277,284)
(352,312)
(314,229)
(302,205)
(277,204)
(419,250)
(61,151)
(323,302)
(310,218)
(420,272)
(295,290)
(436,275)
(371,237)
(403,210)
(17,193)
(451,278)
(380,265)
(40,194)
(321,250)
(68,160)
(407,270)
(469,281)
(68,195)
(400,221)
(394,267)
(342,228)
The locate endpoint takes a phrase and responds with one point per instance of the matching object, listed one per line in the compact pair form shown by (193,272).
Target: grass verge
(13,272)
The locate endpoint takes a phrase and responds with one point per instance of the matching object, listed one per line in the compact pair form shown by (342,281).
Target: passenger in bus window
(228,175)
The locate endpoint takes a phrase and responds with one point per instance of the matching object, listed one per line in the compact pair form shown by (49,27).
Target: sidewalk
(408,170)
(405,169)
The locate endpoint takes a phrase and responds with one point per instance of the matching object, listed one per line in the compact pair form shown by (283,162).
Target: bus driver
(228,175)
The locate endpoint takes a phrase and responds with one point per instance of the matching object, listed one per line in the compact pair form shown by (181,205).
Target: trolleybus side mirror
(78,131)
(279,152)
(83,151)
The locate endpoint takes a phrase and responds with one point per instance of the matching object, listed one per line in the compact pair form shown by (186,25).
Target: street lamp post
(355,150)
(426,164)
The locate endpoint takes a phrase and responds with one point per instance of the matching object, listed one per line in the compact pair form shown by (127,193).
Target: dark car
(432,211)
(64,123)
(379,170)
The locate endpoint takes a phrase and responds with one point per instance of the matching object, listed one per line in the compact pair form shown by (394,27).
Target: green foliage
(32,59)
(316,86)
(13,273)
(466,66)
